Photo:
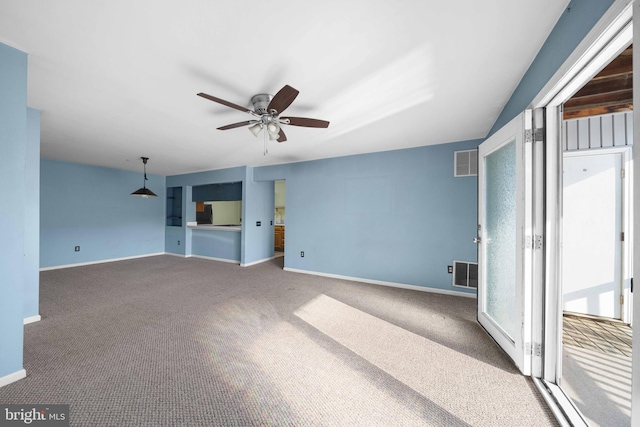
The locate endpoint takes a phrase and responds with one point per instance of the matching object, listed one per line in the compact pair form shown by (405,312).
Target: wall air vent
(465,274)
(465,163)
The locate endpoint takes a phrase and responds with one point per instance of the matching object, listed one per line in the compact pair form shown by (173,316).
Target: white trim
(102,261)
(383,283)
(581,62)
(260,261)
(551,392)
(231,261)
(178,255)
(11,378)
(611,34)
(635,256)
(31,319)
(552,300)
(211,227)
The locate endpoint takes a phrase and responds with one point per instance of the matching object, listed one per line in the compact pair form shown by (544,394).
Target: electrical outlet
(77,249)
(258,223)
(302,254)
(178,242)
(450,269)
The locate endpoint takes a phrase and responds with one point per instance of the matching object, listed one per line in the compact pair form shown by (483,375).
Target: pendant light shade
(144,191)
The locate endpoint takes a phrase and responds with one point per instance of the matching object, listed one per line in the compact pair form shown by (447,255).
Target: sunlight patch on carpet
(421,364)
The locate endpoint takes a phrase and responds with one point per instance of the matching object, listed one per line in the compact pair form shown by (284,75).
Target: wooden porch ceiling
(610,91)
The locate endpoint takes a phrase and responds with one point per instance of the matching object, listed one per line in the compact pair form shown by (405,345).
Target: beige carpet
(167,341)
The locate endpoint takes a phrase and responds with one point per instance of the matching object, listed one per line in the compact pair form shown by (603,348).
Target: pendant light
(144,191)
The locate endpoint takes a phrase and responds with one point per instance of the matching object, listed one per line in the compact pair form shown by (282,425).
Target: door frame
(601,45)
(612,34)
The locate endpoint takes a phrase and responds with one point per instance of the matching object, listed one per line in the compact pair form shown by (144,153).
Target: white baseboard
(31,319)
(231,261)
(178,255)
(260,261)
(11,378)
(215,259)
(102,261)
(383,283)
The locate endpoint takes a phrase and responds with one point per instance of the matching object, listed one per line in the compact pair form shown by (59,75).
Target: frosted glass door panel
(500,237)
(504,283)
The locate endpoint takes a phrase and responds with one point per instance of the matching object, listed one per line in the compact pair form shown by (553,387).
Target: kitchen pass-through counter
(220,242)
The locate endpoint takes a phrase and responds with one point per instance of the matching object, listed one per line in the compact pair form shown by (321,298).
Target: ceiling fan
(266,110)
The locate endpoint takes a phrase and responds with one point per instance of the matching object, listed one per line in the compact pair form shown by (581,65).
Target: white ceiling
(116,80)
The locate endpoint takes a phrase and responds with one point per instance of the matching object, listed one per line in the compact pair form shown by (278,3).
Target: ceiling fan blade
(223,102)
(282,99)
(281,136)
(237,125)
(306,122)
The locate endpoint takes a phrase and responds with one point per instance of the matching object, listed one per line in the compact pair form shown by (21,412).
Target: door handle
(477,240)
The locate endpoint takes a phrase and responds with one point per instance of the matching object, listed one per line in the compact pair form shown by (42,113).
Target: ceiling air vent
(465,163)
(465,274)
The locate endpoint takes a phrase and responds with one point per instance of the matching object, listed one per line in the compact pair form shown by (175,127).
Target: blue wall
(258,207)
(32,216)
(13,137)
(397,216)
(220,244)
(571,28)
(90,207)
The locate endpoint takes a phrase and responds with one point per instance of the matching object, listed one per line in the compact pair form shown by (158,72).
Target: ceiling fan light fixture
(273,128)
(266,114)
(144,191)
(273,137)
(255,129)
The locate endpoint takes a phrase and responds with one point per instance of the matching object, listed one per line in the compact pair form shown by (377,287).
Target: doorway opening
(279,216)
(597,136)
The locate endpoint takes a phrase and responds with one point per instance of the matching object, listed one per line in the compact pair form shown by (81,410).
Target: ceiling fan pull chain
(266,142)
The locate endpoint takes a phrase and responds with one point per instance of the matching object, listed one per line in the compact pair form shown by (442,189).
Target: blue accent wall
(573,25)
(397,216)
(216,244)
(258,207)
(90,207)
(32,216)
(13,208)
(174,240)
